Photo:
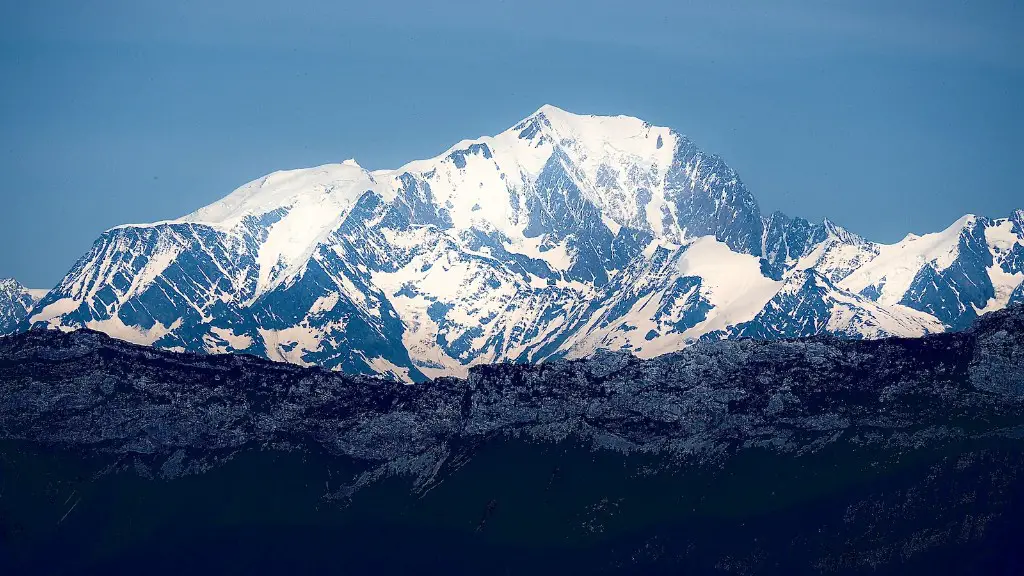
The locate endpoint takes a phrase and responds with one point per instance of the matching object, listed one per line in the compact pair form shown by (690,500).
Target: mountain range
(562,236)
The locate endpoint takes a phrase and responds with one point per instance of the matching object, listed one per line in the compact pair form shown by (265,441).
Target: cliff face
(745,456)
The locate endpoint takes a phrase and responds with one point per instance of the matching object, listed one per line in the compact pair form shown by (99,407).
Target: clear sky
(887,117)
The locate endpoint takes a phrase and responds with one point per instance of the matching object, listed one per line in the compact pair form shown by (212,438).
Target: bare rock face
(800,456)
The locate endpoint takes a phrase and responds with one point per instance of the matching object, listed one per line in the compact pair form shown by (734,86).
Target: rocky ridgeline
(88,390)
(890,452)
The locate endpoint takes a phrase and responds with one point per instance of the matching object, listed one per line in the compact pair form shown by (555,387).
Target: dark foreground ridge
(738,457)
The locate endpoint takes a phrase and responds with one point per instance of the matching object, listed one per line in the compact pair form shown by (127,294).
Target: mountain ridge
(561,236)
(812,455)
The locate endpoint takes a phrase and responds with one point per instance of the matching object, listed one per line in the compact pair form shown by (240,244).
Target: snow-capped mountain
(16,302)
(561,236)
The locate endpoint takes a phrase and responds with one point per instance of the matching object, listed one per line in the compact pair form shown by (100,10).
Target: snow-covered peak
(619,129)
(293,211)
(330,189)
(892,271)
(620,163)
(623,170)
(612,159)
(965,221)
(599,139)
(836,231)
(951,234)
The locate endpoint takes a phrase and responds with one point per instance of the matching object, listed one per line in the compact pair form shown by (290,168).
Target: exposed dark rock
(802,456)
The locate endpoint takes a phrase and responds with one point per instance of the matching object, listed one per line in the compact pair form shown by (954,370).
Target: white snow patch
(324,304)
(382,365)
(732,283)
(116,328)
(236,341)
(291,344)
(54,310)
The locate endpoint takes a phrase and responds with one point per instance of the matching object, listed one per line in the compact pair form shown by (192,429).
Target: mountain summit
(563,235)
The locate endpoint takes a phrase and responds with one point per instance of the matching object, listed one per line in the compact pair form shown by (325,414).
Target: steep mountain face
(814,456)
(16,302)
(559,237)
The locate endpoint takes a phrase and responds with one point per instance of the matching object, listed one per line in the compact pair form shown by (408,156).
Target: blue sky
(887,117)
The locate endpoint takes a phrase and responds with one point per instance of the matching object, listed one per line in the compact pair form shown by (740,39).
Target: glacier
(562,236)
